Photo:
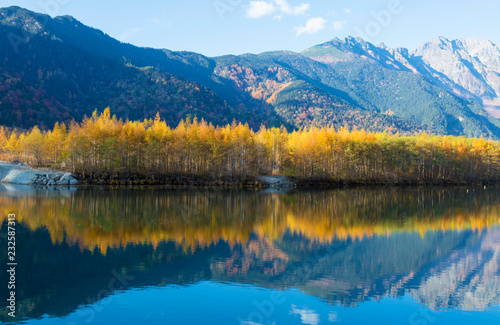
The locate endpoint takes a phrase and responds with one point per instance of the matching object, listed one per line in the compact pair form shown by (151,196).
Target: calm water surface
(414,256)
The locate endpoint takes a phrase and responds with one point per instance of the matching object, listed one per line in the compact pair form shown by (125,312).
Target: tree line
(150,148)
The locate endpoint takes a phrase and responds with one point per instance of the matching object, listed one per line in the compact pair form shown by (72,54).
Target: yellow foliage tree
(36,146)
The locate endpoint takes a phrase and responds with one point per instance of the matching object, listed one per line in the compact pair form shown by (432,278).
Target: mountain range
(58,69)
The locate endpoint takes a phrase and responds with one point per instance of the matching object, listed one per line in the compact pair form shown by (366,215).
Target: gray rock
(277,182)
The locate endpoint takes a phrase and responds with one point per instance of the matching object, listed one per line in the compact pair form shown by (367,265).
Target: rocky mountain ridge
(469,68)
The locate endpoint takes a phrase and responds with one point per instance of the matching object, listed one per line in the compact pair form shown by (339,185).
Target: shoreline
(23,174)
(278,183)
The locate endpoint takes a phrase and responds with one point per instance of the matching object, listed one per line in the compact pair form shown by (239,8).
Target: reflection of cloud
(312,26)
(259,8)
(308,317)
(129,32)
(333,317)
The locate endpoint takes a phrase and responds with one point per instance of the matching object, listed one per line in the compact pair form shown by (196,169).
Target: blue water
(226,303)
(361,256)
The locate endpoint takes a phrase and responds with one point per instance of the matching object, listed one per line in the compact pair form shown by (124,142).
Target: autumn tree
(150,148)
(36,146)
(3,139)
(56,144)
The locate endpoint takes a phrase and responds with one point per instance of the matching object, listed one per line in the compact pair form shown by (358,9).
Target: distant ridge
(470,68)
(57,69)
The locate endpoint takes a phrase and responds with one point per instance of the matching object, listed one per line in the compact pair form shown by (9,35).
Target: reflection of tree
(363,243)
(55,278)
(193,219)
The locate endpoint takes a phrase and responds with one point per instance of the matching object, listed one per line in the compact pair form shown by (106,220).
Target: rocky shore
(55,179)
(22,174)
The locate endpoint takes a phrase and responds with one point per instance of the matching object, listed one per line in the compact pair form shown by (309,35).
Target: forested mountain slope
(342,82)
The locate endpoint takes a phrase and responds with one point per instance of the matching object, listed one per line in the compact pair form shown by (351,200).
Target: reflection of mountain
(469,279)
(375,267)
(344,246)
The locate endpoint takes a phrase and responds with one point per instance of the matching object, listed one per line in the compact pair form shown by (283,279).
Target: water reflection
(441,246)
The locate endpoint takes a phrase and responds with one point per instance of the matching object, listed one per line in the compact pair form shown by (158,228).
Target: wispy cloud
(347,11)
(161,20)
(154,20)
(259,8)
(312,26)
(287,9)
(339,25)
(331,13)
(129,33)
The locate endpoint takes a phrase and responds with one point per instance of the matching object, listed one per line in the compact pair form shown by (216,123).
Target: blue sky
(217,27)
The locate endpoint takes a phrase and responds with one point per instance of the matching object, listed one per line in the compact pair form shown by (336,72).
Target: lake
(376,255)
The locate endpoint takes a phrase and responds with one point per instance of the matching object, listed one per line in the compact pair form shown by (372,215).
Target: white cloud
(286,8)
(259,9)
(307,316)
(347,11)
(339,25)
(312,26)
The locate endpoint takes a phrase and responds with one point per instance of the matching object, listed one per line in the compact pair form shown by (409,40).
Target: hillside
(84,79)
(342,82)
(383,80)
(23,105)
